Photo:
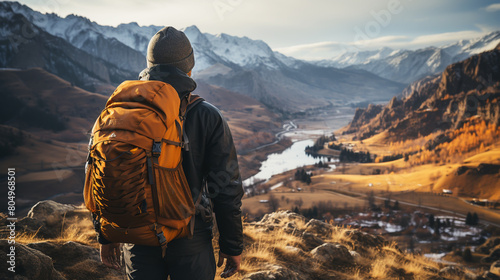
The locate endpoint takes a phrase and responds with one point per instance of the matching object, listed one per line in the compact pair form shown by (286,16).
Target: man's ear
(189,73)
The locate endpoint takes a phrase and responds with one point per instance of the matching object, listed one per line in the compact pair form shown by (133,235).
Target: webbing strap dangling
(185,141)
(161,238)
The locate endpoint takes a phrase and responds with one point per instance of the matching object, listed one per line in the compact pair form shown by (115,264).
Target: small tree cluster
(303,176)
(387,205)
(349,155)
(274,203)
(467,255)
(318,211)
(472,219)
(320,143)
(321,164)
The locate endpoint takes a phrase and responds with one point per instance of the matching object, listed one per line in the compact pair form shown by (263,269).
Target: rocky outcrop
(48,218)
(286,220)
(50,211)
(493,255)
(362,241)
(491,248)
(283,245)
(465,89)
(456,273)
(362,117)
(76,261)
(28,264)
(311,241)
(318,227)
(495,268)
(332,254)
(53,260)
(274,272)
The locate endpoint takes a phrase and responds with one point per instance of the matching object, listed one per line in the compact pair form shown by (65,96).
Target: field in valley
(421,186)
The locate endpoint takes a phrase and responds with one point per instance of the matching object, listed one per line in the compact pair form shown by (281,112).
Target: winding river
(289,159)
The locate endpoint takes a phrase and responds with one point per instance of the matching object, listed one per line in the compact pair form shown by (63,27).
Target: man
(210,160)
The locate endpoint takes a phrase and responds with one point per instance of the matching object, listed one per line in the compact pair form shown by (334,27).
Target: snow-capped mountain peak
(242,51)
(410,65)
(209,49)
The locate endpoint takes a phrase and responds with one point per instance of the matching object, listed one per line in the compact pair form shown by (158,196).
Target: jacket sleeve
(97,228)
(224,187)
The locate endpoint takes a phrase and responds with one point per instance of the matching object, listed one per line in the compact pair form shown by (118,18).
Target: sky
(314,29)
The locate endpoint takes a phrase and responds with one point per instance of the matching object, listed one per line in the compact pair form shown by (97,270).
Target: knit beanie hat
(170,46)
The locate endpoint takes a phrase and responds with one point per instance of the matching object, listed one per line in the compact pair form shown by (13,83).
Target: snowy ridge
(209,49)
(76,29)
(410,65)
(235,63)
(232,50)
(351,58)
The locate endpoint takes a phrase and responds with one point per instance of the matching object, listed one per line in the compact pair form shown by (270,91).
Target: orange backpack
(135,183)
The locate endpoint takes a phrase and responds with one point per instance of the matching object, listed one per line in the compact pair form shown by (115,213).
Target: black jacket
(210,159)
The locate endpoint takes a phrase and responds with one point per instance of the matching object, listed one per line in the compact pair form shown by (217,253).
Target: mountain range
(97,58)
(469,88)
(239,64)
(406,66)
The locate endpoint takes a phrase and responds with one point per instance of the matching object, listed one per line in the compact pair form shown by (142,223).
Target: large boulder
(495,268)
(491,243)
(311,241)
(274,272)
(456,273)
(361,241)
(47,218)
(332,254)
(66,253)
(51,212)
(76,261)
(286,220)
(29,264)
(318,227)
(488,276)
(494,255)
(281,217)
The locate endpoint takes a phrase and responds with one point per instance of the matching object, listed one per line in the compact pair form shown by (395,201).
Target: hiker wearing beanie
(211,168)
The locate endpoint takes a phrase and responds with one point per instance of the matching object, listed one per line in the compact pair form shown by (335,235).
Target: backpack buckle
(156,150)
(161,238)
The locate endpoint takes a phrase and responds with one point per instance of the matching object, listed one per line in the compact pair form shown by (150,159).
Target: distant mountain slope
(465,89)
(47,106)
(40,109)
(282,83)
(55,55)
(407,66)
(239,64)
(124,45)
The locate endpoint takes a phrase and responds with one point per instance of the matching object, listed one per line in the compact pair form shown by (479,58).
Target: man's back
(211,168)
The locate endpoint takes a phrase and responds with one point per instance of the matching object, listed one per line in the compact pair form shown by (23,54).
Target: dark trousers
(146,262)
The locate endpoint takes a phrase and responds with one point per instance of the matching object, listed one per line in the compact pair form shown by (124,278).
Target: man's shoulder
(205,109)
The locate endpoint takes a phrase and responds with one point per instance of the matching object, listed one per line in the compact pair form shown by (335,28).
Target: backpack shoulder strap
(194,100)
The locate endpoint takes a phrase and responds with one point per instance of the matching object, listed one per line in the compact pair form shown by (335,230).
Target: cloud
(444,38)
(493,8)
(314,51)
